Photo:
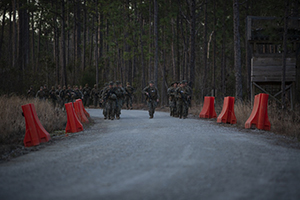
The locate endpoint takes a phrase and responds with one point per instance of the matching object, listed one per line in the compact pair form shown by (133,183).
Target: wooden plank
(272,61)
(271,79)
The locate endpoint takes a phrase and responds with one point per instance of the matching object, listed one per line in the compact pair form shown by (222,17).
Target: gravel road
(161,158)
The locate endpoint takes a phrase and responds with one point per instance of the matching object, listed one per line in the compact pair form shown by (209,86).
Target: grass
(12,124)
(282,122)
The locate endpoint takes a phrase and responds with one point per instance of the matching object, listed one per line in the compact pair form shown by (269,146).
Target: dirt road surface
(161,158)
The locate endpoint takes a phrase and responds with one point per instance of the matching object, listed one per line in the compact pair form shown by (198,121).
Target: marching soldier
(46,92)
(129,90)
(59,100)
(152,98)
(52,96)
(119,91)
(62,95)
(182,104)
(40,94)
(77,93)
(86,95)
(30,93)
(69,94)
(172,98)
(95,95)
(109,99)
(190,92)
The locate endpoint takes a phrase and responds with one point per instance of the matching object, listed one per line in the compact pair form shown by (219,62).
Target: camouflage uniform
(86,95)
(40,94)
(95,95)
(30,93)
(128,95)
(59,100)
(52,96)
(172,100)
(152,98)
(62,95)
(182,105)
(46,92)
(120,92)
(109,98)
(77,94)
(69,94)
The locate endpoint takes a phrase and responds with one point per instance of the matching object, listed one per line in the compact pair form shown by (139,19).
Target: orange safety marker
(42,133)
(227,114)
(79,112)
(73,124)
(85,112)
(31,136)
(35,132)
(259,115)
(208,110)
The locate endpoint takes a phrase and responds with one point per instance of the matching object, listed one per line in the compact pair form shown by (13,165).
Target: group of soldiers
(112,98)
(59,96)
(180,95)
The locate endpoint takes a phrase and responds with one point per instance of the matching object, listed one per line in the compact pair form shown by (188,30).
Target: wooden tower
(264,55)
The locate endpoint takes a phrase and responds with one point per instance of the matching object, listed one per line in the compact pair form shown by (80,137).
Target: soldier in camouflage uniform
(120,92)
(95,95)
(52,96)
(152,98)
(62,95)
(77,94)
(46,92)
(86,95)
(57,91)
(181,94)
(172,98)
(190,91)
(30,93)
(68,94)
(102,102)
(109,99)
(40,94)
(128,95)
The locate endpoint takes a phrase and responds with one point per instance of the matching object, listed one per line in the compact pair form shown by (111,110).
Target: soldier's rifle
(183,97)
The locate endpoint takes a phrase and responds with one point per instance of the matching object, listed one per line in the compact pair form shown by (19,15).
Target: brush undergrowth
(12,123)
(285,122)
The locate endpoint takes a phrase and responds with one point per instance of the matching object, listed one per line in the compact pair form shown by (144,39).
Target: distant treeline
(60,42)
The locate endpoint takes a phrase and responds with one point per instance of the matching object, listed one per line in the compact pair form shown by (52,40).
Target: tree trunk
(15,38)
(283,95)
(192,39)
(64,80)
(96,48)
(156,42)
(32,42)
(237,52)
(23,42)
(84,37)
(204,81)
(78,39)
(142,54)
(214,51)
(223,62)
(2,30)
(248,56)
